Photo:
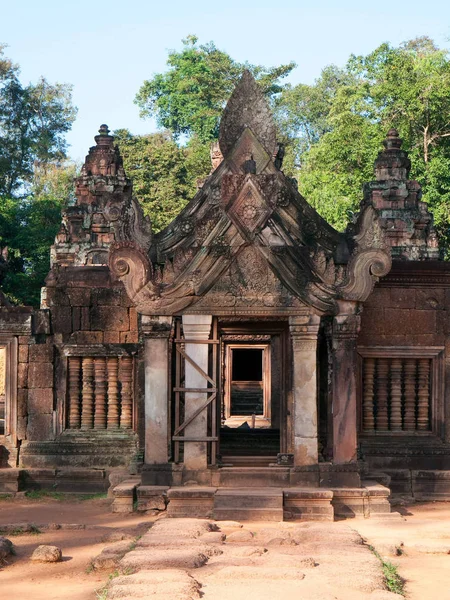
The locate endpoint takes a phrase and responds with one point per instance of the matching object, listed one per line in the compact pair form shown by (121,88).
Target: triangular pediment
(248,238)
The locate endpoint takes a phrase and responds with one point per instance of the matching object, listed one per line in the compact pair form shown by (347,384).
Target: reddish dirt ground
(418,543)
(68,579)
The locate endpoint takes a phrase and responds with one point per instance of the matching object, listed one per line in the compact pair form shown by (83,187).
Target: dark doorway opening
(247,365)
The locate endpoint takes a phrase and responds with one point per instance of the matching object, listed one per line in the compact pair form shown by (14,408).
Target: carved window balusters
(397,394)
(100,392)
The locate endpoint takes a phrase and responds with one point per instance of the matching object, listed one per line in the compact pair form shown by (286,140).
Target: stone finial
(405,219)
(392,163)
(247,108)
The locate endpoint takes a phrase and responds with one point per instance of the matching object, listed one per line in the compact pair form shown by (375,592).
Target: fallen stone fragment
(47,554)
(110,556)
(6,548)
(240,536)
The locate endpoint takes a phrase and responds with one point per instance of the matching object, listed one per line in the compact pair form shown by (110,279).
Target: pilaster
(346,326)
(196,328)
(156,332)
(304,332)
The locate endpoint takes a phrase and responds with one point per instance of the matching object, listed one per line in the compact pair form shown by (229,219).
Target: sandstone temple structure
(249,359)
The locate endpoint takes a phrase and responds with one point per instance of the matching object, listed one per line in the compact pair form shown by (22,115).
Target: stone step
(248,461)
(248,504)
(248,514)
(248,498)
(244,477)
(9,480)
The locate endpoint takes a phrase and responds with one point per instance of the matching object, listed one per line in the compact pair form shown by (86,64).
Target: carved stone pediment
(249,242)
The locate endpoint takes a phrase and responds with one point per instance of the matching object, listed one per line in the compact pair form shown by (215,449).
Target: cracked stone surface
(192,558)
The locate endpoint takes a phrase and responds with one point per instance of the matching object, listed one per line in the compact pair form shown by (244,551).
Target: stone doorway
(252,403)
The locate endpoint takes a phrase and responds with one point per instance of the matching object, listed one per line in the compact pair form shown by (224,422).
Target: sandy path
(67,579)
(345,566)
(423,538)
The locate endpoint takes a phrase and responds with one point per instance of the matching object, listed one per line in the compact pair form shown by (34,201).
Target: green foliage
(28,227)
(164,174)
(341,120)
(189,98)
(394,583)
(35,183)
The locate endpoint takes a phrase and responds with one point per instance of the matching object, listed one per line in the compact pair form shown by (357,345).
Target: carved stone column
(345,331)
(157,436)
(304,386)
(196,328)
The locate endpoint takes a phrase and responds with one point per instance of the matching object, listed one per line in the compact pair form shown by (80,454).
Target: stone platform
(251,503)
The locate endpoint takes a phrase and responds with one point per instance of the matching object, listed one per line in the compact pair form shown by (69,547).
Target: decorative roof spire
(247,108)
(392,162)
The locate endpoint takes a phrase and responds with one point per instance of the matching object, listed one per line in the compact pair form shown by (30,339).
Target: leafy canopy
(35,183)
(188,99)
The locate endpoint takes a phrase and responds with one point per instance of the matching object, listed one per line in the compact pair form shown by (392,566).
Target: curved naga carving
(370,260)
(130,264)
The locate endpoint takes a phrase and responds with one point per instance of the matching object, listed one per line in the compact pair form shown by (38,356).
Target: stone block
(108,297)
(112,318)
(192,502)
(23,353)
(427,299)
(41,322)
(40,400)
(85,318)
(22,400)
(378,299)
(61,317)
(351,502)
(40,427)
(151,497)
(133,319)
(87,337)
(21,429)
(431,485)
(112,337)
(254,477)
(79,296)
(403,298)
(22,375)
(41,353)
(76,318)
(9,480)
(305,450)
(129,337)
(308,505)
(40,375)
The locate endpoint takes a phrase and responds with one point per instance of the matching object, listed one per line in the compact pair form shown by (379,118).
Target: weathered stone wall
(404,316)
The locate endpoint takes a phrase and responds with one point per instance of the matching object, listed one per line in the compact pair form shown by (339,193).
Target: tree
(35,183)
(406,87)
(163,173)
(190,97)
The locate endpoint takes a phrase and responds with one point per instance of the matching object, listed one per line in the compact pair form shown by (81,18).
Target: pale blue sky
(106,48)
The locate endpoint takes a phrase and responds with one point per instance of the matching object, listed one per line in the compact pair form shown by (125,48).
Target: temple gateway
(247,361)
